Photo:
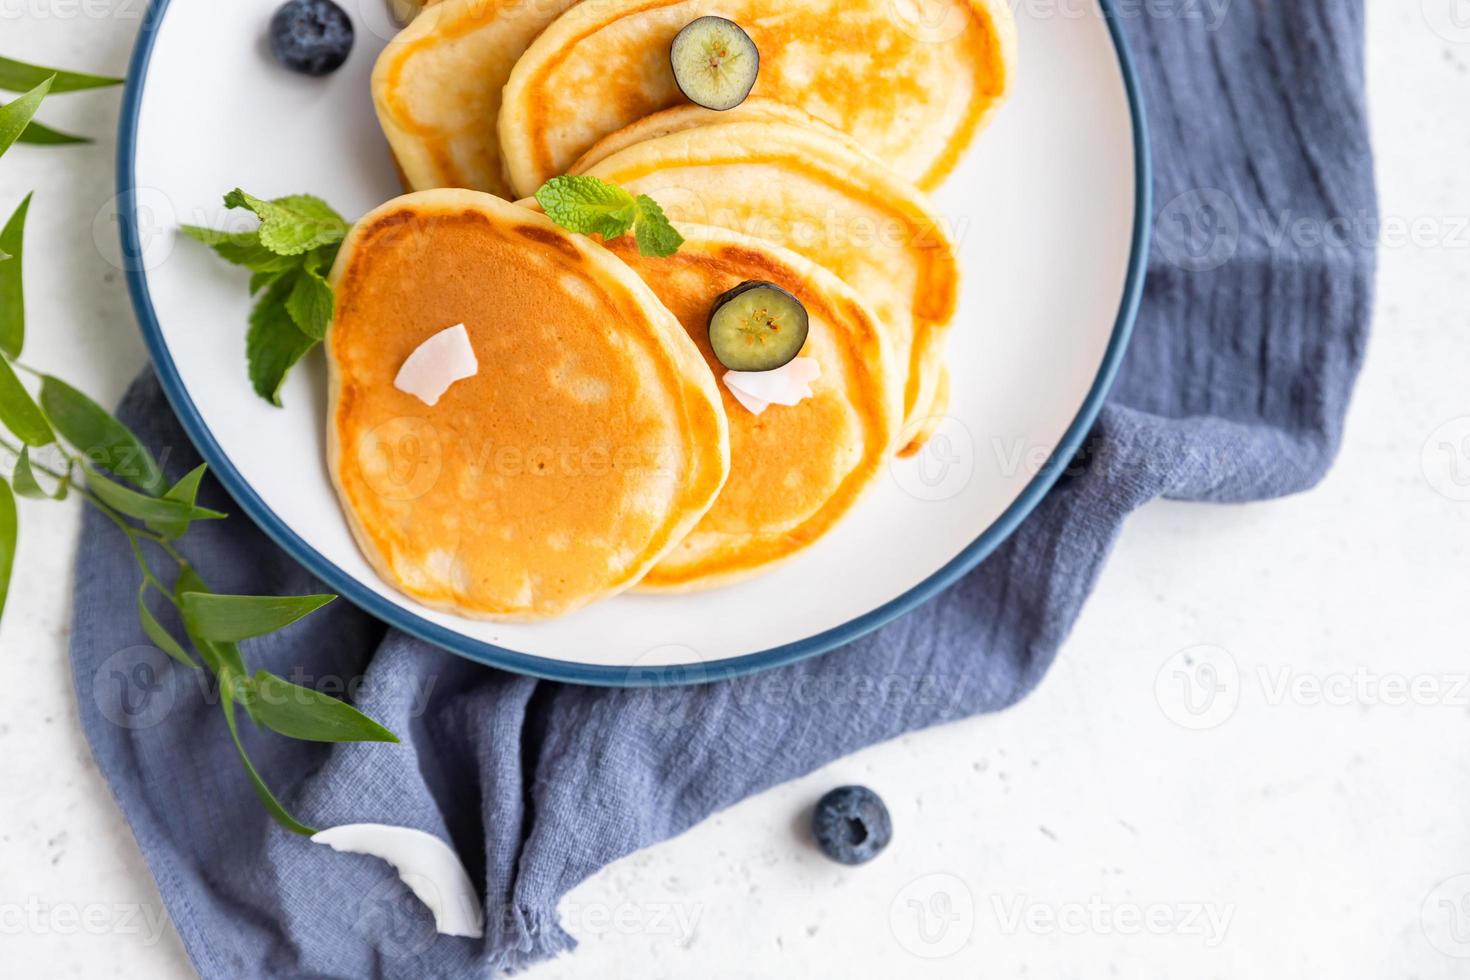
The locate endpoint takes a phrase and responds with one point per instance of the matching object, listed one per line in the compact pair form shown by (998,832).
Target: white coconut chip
(426,864)
(788,385)
(437,364)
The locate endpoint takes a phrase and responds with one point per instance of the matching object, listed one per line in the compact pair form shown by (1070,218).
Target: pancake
(794,471)
(590,442)
(913,83)
(807,192)
(437,88)
(682,117)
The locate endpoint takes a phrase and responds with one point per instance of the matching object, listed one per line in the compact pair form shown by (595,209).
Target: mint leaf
(16,116)
(17,76)
(274,343)
(152,509)
(588,206)
(12,291)
(231,618)
(242,248)
(656,237)
(105,441)
(18,410)
(307,715)
(292,225)
(310,304)
(9,533)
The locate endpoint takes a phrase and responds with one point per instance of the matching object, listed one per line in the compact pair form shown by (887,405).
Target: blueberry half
(852,825)
(313,37)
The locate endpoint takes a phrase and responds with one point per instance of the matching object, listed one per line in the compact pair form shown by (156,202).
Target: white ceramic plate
(1049,208)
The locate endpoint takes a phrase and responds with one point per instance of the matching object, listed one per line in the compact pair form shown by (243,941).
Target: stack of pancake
(597,448)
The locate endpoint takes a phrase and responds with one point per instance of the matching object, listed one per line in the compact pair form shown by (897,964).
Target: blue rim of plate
(522,663)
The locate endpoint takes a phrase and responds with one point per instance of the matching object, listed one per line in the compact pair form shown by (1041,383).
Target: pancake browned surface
(437,88)
(803,190)
(795,471)
(912,83)
(590,442)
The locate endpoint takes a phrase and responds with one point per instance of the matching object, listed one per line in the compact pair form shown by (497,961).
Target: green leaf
(9,533)
(588,206)
(243,248)
(18,411)
(38,135)
(292,225)
(220,658)
(17,76)
(152,509)
(656,237)
(161,637)
(274,343)
(12,290)
(310,304)
(26,484)
(101,438)
(310,716)
(186,491)
(267,798)
(231,618)
(16,116)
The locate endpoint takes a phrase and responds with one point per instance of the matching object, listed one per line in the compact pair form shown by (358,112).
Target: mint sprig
(97,456)
(591,206)
(287,256)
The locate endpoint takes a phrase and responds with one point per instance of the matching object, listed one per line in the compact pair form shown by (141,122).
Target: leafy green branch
(92,455)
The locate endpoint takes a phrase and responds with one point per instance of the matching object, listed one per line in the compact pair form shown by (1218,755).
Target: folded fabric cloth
(1235,389)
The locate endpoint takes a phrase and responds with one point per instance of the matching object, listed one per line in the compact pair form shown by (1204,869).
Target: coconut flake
(788,385)
(426,865)
(752,405)
(437,364)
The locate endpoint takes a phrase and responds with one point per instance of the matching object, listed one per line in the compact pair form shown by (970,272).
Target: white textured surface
(1321,828)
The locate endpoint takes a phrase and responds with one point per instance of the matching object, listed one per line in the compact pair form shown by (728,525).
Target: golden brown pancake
(795,471)
(812,194)
(437,88)
(912,81)
(682,117)
(589,443)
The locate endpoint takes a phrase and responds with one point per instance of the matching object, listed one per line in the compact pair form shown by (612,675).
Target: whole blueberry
(313,37)
(851,825)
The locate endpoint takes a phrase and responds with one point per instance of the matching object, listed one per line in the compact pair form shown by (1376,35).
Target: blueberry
(851,825)
(313,37)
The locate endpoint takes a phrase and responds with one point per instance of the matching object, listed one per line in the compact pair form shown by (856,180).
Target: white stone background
(1320,828)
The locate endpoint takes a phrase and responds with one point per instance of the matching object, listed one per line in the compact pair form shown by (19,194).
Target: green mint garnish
(590,206)
(288,257)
